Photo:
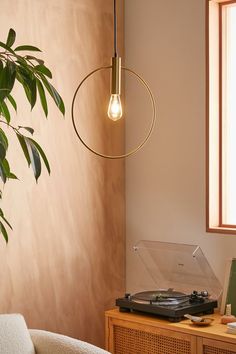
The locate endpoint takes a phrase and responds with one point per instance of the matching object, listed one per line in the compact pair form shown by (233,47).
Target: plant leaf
(23,63)
(11,67)
(34,158)
(7,79)
(3,139)
(25,86)
(12,101)
(54,94)
(2,152)
(29,129)
(24,147)
(6,168)
(42,97)
(3,92)
(33,91)
(27,47)
(7,48)
(42,154)
(2,174)
(11,38)
(29,85)
(25,72)
(12,176)
(3,217)
(5,111)
(4,232)
(43,69)
(30,57)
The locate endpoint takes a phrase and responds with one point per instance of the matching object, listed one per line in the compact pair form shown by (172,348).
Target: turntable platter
(158,295)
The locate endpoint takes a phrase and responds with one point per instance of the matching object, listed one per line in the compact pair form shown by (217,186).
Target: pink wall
(64,264)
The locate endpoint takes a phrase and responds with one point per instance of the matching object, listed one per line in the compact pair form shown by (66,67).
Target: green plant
(33,76)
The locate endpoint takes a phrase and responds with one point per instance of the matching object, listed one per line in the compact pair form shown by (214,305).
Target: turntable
(186,283)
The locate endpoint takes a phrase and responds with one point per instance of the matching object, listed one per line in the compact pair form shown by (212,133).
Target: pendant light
(114,110)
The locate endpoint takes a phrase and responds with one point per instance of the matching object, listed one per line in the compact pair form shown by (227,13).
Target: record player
(186,283)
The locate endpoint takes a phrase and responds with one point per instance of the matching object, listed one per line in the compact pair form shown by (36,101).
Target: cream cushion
(52,343)
(15,338)
(14,335)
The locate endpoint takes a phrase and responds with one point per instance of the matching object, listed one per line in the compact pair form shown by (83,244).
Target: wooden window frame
(214,196)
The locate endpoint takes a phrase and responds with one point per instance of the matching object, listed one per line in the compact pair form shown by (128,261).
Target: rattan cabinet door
(217,347)
(131,338)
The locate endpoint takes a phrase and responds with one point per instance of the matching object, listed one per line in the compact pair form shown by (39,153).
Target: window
(221,116)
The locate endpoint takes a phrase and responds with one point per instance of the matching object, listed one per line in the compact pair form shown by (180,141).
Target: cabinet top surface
(215,331)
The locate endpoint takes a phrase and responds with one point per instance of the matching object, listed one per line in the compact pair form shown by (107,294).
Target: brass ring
(143,82)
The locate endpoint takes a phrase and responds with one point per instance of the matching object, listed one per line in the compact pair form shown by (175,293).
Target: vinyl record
(158,295)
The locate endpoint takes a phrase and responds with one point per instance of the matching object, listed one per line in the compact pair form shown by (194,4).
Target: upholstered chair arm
(52,343)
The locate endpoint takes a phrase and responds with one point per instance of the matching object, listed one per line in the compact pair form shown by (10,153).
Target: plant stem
(11,126)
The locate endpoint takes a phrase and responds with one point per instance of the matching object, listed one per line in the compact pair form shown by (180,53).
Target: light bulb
(115,109)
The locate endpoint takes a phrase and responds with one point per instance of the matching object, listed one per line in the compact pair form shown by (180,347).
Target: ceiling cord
(115,30)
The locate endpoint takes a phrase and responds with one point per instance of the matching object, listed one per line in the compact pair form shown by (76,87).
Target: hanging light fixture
(114,111)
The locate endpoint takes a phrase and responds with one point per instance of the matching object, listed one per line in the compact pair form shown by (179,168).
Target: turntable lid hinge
(195,251)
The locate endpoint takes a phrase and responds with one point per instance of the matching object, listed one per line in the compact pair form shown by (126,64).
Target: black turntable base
(168,303)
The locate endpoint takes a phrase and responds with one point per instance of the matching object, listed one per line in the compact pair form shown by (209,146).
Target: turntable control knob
(204,293)
(127,296)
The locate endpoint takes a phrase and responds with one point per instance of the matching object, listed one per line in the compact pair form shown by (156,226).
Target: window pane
(229,115)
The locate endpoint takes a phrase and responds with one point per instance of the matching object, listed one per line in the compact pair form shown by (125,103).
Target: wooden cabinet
(131,333)
(211,346)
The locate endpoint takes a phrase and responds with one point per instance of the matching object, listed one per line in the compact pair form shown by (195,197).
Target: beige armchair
(15,338)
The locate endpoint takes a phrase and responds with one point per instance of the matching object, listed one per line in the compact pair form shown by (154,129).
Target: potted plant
(34,77)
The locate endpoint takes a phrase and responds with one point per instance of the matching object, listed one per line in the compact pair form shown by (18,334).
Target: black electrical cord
(115,30)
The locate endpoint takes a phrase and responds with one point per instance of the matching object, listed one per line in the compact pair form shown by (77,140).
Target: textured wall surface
(64,264)
(166,181)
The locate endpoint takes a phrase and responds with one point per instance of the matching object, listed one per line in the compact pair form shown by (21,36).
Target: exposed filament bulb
(114,111)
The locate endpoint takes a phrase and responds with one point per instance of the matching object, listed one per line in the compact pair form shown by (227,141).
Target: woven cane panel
(211,350)
(132,341)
